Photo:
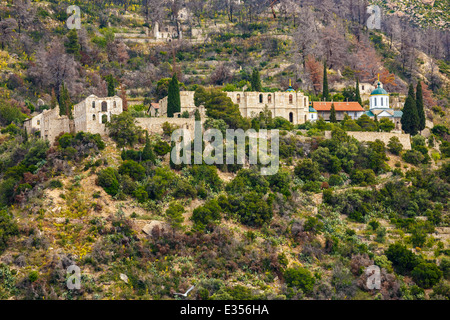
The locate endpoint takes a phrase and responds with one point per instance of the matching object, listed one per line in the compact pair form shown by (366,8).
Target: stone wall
(154,125)
(383,136)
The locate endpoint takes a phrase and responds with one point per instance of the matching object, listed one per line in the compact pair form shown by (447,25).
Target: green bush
(335,180)
(300,278)
(108,179)
(426,274)
(132,169)
(8,228)
(403,260)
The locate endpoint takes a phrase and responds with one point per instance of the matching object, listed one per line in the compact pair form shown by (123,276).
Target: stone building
(352,109)
(89,115)
(290,105)
(93,113)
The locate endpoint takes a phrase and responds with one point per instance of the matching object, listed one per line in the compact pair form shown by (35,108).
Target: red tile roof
(338,106)
(155,105)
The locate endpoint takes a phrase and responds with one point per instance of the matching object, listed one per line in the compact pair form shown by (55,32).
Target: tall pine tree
(256,81)
(173,102)
(357,93)
(333,114)
(111,85)
(419,106)
(72,45)
(326,93)
(410,118)
(65,104)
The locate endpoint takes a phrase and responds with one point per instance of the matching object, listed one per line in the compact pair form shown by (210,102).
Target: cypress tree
(72,45)
(256,81)
(197,115)
(358,94)
(147,153)
(326,93)
(173,102)
(419,106)
(333,114)
(410,118)
(54,100)
(111,85)
(64,101)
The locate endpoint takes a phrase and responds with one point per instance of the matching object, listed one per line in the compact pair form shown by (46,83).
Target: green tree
(426,274)
(410,119)
(307,170)
(403,260)
(111,85)
(173,102)
(256,81)
(386,125)
(366,123)
(219,106)
(175,214)
(326,92)
(300,278)
(358,94)
(394,146)
(333,114)
(123,130)
(72,45)
(147,153)
(8,228)
(420,106)
(65,105)
(108,179)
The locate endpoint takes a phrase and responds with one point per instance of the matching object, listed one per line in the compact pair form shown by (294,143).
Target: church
(378,106)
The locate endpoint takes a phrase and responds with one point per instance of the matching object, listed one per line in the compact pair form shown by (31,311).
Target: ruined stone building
(89,115)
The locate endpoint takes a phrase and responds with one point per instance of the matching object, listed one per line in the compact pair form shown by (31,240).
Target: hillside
(140,226)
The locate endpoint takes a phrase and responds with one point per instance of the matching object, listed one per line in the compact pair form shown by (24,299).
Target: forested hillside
(140,227)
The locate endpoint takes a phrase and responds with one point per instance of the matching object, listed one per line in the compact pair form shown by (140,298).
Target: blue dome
(379,90)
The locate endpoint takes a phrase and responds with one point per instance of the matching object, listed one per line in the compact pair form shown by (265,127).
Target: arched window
(261,98)
(93,117)
(374,102)
(39,122)
(291,99)
(104,106)
(115,104)
(269,98)
(304,102)
(93,104)
(238,98)
(291,117)
(381,101)
(104,118)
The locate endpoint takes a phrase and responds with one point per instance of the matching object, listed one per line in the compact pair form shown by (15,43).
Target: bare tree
(24,13)
(7,30)
(306,36)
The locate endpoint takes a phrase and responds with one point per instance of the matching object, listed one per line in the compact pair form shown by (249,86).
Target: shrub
(403,260)
(206,214)
(426,274)
(132,169)
(175,214)
(108,179)
(335,180)
(300,278)
(162,148)
(413,156)
(307,170)
(8,228)
(394,146)
(55,184)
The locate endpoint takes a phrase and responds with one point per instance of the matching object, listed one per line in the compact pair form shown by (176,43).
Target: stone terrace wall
(383,136)
(154,125)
